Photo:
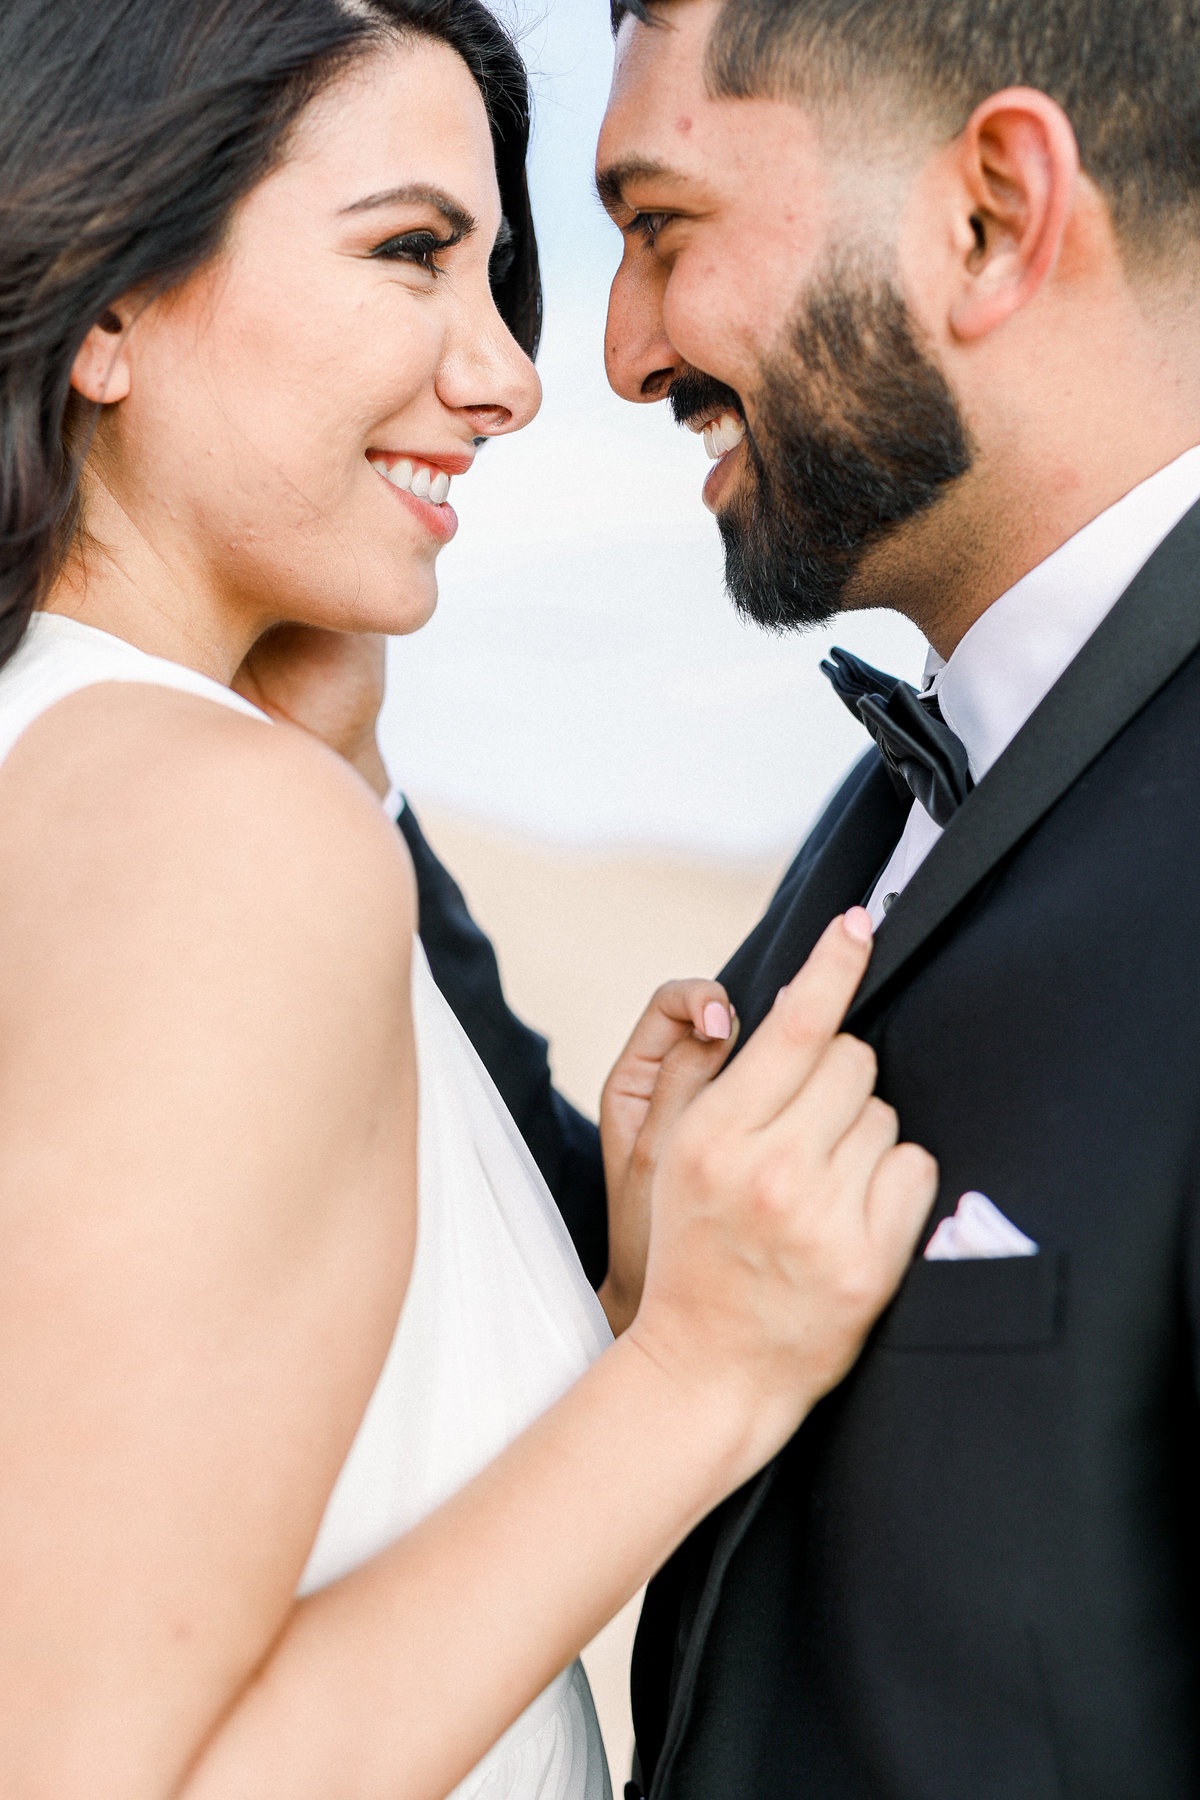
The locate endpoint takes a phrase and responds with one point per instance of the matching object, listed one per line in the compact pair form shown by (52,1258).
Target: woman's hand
(784,1212)
(678,1045)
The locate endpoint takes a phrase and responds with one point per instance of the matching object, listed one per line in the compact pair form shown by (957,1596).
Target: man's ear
(1018,164)
(101,371)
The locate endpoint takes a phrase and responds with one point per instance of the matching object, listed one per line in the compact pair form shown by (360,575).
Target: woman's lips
(422,487)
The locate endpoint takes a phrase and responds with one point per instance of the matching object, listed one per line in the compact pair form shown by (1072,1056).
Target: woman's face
(295,411)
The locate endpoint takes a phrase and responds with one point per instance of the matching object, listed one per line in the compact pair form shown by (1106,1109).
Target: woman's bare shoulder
(125,799)
(197,902)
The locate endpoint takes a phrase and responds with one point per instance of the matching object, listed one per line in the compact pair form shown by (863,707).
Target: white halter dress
(498,1319)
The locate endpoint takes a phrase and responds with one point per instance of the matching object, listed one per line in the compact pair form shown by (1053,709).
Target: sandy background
(584,938)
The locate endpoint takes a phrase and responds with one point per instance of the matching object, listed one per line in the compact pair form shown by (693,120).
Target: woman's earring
(108,321)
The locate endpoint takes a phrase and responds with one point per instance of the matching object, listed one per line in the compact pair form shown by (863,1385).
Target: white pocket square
(977,1229)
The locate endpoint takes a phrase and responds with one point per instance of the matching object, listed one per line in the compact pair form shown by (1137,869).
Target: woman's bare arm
(206,1211)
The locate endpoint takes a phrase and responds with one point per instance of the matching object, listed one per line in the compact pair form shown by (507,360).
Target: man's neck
(945,569)
(1073,405)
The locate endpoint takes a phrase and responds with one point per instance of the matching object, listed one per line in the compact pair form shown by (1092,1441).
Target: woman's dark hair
(129,131)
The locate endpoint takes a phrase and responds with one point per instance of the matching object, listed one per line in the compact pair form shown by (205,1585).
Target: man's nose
(639,358)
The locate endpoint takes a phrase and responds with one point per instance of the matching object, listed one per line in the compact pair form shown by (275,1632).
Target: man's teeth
(417,478)
(723,434)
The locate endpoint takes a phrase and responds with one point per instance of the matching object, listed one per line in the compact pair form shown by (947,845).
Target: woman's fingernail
(858,925)
(716,1020)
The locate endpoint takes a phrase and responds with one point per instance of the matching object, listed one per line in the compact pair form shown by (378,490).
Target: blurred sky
(585,678)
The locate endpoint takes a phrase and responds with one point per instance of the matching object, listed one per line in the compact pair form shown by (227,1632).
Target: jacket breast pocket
(993,1303)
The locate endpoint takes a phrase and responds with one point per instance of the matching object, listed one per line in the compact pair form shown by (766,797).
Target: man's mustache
(694,395)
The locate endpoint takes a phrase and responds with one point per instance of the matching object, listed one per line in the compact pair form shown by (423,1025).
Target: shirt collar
(1014,653)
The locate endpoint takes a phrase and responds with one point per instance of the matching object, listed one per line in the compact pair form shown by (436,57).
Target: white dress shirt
(1008,661)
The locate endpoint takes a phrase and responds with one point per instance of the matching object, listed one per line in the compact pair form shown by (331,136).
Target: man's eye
(648,225)
(420,247)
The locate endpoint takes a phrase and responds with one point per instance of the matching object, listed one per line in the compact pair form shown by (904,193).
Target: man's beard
(856,431)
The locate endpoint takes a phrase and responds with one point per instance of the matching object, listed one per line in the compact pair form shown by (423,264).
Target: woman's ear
(101,371)
(1018,164)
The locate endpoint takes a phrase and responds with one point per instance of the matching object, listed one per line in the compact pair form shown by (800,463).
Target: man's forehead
(664,126)
(670,53)
(681,153)
(658,97)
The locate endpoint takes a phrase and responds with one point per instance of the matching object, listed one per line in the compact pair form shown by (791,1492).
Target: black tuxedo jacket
(973,1574)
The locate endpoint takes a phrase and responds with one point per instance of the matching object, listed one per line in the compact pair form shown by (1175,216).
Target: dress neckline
(45,624)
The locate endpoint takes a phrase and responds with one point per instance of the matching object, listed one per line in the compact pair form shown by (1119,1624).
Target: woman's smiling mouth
(422,486)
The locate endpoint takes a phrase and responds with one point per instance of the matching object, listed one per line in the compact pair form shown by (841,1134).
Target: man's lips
(723,432)
(721,478)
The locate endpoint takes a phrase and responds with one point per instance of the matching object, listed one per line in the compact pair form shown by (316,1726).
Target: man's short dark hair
(1125,72)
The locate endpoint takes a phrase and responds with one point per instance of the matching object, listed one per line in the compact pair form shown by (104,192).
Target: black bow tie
(923,756)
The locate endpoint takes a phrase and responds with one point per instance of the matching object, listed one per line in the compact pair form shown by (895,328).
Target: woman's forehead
(405,113)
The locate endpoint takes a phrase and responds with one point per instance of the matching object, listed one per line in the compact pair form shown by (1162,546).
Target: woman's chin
(407,607)
(384,588)
(413,618)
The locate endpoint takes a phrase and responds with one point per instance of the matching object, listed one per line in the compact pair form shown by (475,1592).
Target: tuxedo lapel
(1145,639)
(833,871)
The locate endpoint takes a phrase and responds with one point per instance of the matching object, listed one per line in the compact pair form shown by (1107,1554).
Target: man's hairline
(911,106)
(902,115)
(1146,248)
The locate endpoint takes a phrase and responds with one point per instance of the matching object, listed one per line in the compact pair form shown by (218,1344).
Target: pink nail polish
(716,1020)
(858,925)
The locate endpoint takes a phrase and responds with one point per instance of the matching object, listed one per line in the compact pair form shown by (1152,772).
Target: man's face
(756,291)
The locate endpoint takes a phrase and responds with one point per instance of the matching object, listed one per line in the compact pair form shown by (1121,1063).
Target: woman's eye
(419,247)
(502,259)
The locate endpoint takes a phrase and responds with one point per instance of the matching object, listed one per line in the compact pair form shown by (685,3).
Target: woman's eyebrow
(460,221)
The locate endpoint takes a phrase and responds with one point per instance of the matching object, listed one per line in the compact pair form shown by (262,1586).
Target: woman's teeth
(723,434)
(416,478)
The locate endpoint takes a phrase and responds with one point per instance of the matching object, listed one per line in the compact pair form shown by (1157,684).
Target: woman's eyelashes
(420,247)
(424,249)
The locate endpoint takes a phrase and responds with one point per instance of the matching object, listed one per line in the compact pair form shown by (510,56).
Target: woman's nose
(488,377)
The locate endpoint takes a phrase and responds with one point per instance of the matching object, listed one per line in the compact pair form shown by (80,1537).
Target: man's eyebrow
(612,181)
(460,221)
